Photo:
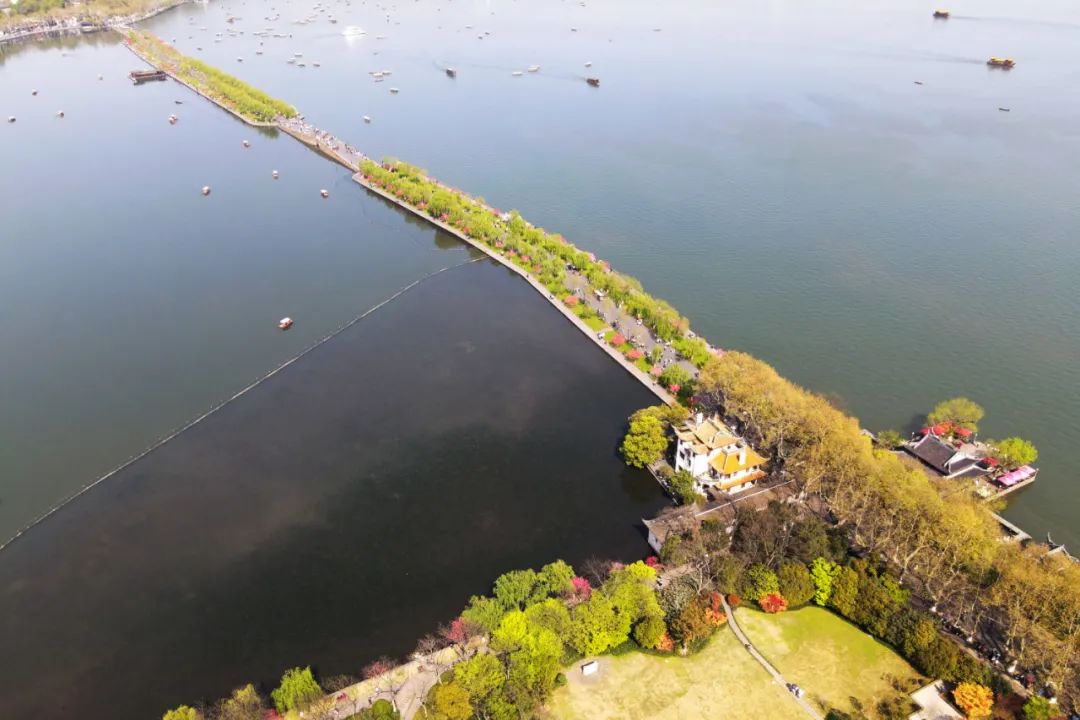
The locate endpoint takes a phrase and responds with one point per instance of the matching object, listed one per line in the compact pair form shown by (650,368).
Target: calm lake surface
(772,169)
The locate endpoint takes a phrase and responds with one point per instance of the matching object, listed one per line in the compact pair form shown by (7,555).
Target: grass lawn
(831,659)
(721,681)
(594,322)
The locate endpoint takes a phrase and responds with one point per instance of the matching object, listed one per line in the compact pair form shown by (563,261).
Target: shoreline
(73,25)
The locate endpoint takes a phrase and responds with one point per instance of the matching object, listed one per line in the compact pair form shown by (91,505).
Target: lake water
(770,168)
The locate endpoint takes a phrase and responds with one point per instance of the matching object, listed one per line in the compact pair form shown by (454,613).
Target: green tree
(645,441)
(890,439)
(845,592)
(183,713)
(959,411)
(795,584)
(483,676)
(244,704)
(596,626)
(381,709)
(822,573)
(554,579)
(483,612)
(675,374)
(451,702)
(1014,452)
(297,689)
(758,582)
(514,589)
(682,487)
(648,632)
(551,614)
(692,624)
(1038,708)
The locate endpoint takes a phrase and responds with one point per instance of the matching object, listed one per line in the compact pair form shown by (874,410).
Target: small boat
(274,174)
(178,102)
(205,190)
(367,119)
(60,114)
(1004,109)
(11,118)
(246,144)
(239,59)
(173,119)
(1005,63)
(918,82)
(451,72)
(595,82)
(942,14)
(394,91)
(588,64)
(285,323)
(33,92)
(534,68)
(325,193)
(517,73)
(141,76)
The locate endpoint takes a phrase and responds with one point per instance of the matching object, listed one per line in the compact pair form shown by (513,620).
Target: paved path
(764,663)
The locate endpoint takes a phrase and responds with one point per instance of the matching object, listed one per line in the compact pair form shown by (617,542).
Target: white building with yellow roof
(716,456)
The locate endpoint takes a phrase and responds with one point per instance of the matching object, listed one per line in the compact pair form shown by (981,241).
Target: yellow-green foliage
(230,91)
(545,255)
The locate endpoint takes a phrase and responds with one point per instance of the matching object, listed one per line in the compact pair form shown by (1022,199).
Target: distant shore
(52,26)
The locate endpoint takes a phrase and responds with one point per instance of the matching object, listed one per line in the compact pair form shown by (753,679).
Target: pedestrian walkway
(764,663)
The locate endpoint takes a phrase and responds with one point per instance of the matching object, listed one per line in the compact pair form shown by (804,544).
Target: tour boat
(451,72)
(285,323)
(941,14)
(367,118)
(325,193)
(206,190)
(274,174)
(1005,63)
(534,68)
(595,82)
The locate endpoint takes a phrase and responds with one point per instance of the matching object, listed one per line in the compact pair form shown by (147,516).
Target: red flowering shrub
(656,371)
(580,588)
(444,217)
(571,300)
(652,561)
(675,388)
(734,600)
(773,603)
(665,643)
(617,339)
(635,354)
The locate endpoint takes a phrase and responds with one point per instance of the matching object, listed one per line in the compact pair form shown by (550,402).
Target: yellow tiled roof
(727,463)
(707,436)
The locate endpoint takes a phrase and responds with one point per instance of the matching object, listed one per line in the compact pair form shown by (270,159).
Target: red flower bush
(665,643)
(580,588)
(656,371)
(773,603)
(675,388)
(635,354)
(571,300)
(617,339)
(734,600)
(652,561)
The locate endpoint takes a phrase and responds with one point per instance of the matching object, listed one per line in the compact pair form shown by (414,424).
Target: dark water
(769,167)
(334,513)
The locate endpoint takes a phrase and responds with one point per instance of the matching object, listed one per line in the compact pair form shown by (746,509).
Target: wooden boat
(942,14)
(285,323)
(1005,63)
(595,82)
(324,193)
(141,76)
(451,72)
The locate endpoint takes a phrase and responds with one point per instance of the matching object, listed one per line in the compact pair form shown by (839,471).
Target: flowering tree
(734,600)
(773,603)
(617,339)
(580,589)
(634,354)
(571,300)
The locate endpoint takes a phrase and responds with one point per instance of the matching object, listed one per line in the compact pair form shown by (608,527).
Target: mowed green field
(831,659)
(721,681)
